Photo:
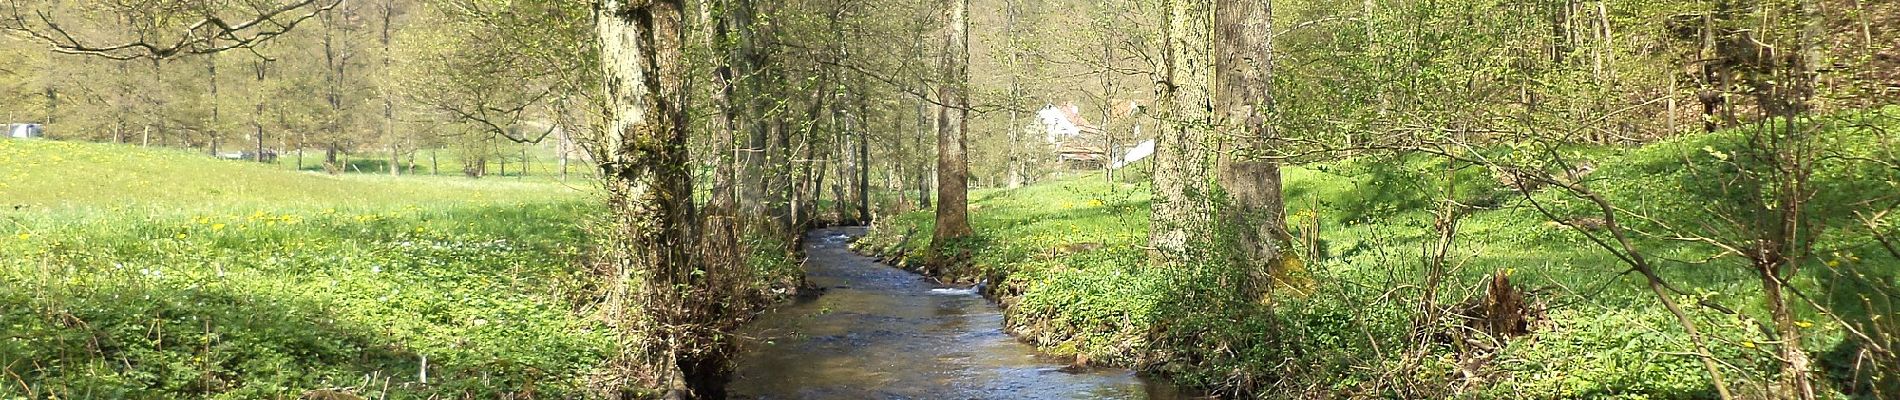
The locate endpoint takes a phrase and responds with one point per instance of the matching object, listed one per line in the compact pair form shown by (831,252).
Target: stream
(878,332)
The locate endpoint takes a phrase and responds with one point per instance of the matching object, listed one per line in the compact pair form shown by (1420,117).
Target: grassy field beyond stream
(1067,258)
(135,273)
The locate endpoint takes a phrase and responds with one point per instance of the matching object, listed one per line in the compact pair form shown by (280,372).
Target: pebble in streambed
(883,333)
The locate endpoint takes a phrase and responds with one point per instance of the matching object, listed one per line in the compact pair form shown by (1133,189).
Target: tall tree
(926,126)
(212,127)
(1252,208)
(388,127)
(749,97)
(1017,175)
(650,189)
(953,220)
(1180,219)
(336,62)
(864,160)
(714,21)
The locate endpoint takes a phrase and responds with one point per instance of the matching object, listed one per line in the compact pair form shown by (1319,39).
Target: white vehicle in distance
(26,131)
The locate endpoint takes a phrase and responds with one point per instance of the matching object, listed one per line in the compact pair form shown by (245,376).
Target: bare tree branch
(211,34)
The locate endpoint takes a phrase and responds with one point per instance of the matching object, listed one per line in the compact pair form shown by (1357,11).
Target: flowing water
(882,333)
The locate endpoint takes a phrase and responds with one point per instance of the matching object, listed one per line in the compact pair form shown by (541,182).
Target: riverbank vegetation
(1067,260)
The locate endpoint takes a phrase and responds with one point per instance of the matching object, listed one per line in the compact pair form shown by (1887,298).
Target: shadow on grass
(275,331)
(125,339)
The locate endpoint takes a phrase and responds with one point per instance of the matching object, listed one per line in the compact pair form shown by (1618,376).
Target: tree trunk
(801,176)
(389,105)
(864,161)
(52,104)
(748,87)
(257,125)
(896,180)
(330,160)
(158,108)
(1253,209)
(778,177)
(806,182)
(1181,221)
(841,154)
(724,201)
(838,196)
(953,221)
(211,129)
(1014,150)
(1108,114)
(925,129)
(1796,381)
(125,104)
(334,74)
(720,224)
(565,147)
(649,181)
(259,128)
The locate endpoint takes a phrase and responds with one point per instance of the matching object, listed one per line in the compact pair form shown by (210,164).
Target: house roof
(1074,114)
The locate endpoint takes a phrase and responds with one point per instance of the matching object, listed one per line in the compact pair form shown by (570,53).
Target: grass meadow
(143,273)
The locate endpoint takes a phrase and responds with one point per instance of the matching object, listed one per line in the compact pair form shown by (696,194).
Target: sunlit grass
(143,272)
(59,175)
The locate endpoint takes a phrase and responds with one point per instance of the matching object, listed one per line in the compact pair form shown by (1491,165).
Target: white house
(1080,144)
(1061,123)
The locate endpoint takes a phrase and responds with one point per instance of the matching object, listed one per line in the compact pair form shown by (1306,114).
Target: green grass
(49,175)
(544,163)
(140,273)
(1605,336)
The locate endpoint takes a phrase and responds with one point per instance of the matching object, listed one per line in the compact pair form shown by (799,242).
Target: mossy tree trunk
(649,183)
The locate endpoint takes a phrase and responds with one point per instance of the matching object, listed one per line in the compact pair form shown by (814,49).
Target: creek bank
(994,285)
(879,332)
